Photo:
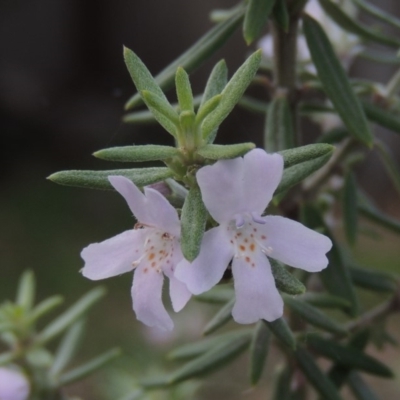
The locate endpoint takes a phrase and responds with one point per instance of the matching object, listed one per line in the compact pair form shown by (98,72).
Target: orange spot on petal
(263,237)
(252,247)
(243,248)
(153,264)
(151,256)
(248,259)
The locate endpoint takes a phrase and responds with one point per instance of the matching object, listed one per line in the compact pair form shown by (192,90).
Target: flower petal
(147,298)
(294,244)
(256,294)
(113,256)
(221,188)
(208,268)
(13,385)
(262,174)
(151,208)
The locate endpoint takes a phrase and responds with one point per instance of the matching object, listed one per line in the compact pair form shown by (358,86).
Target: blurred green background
(63,84)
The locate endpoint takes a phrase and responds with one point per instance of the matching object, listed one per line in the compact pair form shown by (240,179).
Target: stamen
(257,218)
(239,220)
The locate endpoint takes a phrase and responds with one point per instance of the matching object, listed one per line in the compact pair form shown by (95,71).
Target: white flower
(236,193)
(152,248)
(13,385)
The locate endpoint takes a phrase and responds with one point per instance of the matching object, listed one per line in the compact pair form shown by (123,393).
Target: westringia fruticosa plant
(251,229)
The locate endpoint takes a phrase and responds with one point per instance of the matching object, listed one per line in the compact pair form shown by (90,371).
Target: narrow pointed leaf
(279,133)
(282,382)
(316,377)
(378,13)
(335,82)
(207,108)
(232,93)
(139,117)
(67,348)
(368,210)
(184,90)
(26,290)
(150,152)
(280,14)
(211,361)
(195,55)
(336,278)
(222,317)
(325,300)
(381,57)
(219,294)
(193,223)
(350,24)
(191,350)
(88,368)
(314,316)
(372,280)
(163,112)
(99,179)
(45,307)
(348,356)
(382,116)
(297,173)
(305,153)
(258,351)
(216,82)
(223,152)
(360,388)
(284,280)
(253,105)
(392,169)
(335,135)
(350,217)
(66,319)
(255,18)
(281,330)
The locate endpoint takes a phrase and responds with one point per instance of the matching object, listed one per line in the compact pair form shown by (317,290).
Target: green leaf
(253,105)
(335,135)
(255,19)
(295,174)
(350,217)
(150,152)
(284,280)
(232,93)
(258,351)
(219,294)
(368,210)
(325,300)
(195,55)
(305,153)
(280,14)
(360,388)
(139,117)
(282,383)
(211,361)
(191,350)
(279,133)
(26,290)
(222,317)
(390,165)
(163,112)
(193,223)
(224,152)
(67,318)
(316,377)
(335,82)
(45,307)
(99,179)
(6,358)
(348,356)
(372,280)
(381,116)
(67,348)
(281,330)
(350,24)
(88,368)
(380,57)
(336,277)
(184,90)
(314,316)
(378,13)
(207,109)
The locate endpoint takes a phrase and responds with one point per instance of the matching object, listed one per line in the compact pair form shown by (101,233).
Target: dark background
(63,85)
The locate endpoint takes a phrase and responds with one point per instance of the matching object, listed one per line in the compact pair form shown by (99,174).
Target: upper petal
(208,268)
(294,244)
(262,174)
(13,385)
(151,208)
(221,187)
(147,298)
(113,256)
(256,294)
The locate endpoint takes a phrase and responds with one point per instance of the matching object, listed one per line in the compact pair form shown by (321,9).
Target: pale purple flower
(13,385)
(236,193)
(152,248)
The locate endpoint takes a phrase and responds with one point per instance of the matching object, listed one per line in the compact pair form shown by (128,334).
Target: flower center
(246,236)
(158,249)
